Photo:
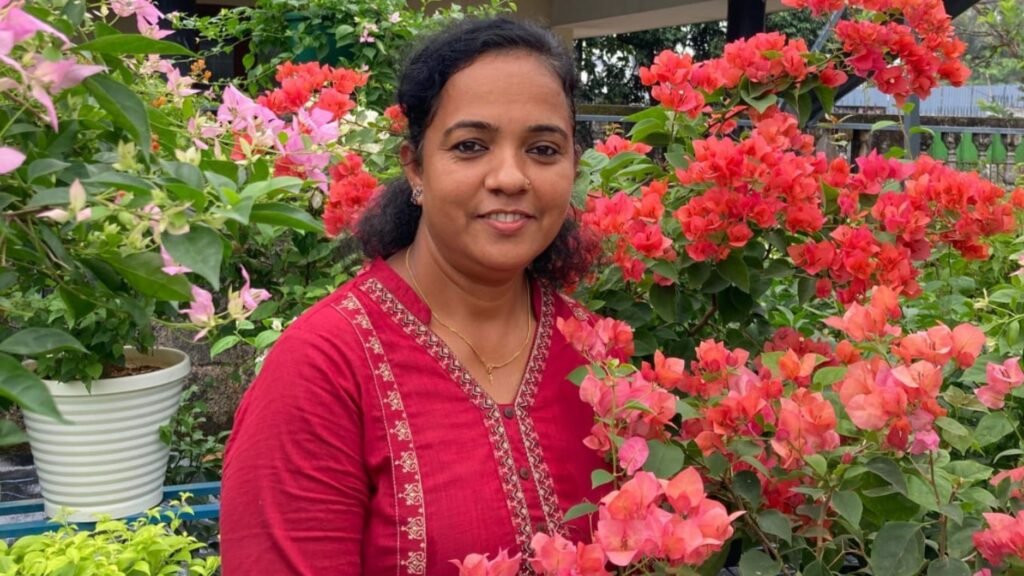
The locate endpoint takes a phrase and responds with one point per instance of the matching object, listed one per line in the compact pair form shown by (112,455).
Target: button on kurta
(524,473)
(508,412)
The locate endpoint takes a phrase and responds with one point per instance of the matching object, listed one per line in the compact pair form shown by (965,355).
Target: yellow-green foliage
(149,546)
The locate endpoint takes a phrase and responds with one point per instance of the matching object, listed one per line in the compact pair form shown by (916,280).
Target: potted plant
(134,201)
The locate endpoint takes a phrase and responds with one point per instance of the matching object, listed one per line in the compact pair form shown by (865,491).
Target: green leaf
(600,477)
(280,214)
(25,389)
(685,411)
(239,212)
(143,272)
(120,180)
(761,104)
(955,433)
(44,167)
(747,485)
(882,124)
(200,249)
(827,97)
(224,344)
(10,434)
(664,460)
(125,108)
(890,471)
(992,428)
(716,463)
(969,470)
(663,300)
(777,524)
(133,44)
(256,190)
(806,288)
(577,375)
(266,338)
(579,510)
(948,567)
(816,568)
(827,376)
(757,563)
(817,463)
(898,550)
(848,505)
(734,269)
(37,341)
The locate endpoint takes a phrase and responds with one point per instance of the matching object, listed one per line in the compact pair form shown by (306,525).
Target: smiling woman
(422,411)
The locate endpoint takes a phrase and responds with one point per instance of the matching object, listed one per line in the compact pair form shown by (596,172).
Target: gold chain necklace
(487,365)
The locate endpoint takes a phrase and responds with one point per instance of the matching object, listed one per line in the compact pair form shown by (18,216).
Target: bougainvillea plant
(867,441)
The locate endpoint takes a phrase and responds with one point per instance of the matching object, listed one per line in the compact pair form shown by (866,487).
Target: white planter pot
(109,458)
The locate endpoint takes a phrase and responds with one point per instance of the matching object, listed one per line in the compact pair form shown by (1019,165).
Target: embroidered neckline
(525,397)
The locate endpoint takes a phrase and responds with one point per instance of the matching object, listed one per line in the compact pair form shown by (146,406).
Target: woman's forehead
(503,90)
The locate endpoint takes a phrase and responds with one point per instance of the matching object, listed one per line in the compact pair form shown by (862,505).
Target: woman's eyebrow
(470,125)
(548,128)
(488,127)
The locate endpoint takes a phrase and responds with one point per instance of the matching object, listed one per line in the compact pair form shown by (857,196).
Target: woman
(422,411)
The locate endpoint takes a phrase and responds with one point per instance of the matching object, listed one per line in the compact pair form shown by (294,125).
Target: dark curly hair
(389,223)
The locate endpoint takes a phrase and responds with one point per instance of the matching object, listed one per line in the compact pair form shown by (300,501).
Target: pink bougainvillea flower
(200,311)
(170,267)
(10,159)
(59,75)
(251,297)
(1004,537)
(480,565)
(1000,380)
(632,454)
(20,25)
(685,491)
(556,556)
(49,77)
(58,215)
(1016,479)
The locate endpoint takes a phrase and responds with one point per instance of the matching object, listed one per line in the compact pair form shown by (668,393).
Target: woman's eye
(545,150)
(467,147)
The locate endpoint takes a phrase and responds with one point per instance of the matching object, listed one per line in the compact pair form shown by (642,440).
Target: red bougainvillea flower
(616,144)
(1004,537)
(399,123)
(350,191)
(1000,380)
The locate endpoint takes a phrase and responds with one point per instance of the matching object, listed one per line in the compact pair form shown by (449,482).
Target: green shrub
(149,546)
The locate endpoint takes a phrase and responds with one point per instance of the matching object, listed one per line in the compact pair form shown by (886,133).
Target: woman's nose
(507,174)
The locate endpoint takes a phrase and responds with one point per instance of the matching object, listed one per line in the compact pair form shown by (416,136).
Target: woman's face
(497,165)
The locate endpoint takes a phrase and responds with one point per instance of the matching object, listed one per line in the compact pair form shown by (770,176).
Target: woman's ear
(409,158)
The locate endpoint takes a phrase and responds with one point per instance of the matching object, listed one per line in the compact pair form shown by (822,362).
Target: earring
(417,195)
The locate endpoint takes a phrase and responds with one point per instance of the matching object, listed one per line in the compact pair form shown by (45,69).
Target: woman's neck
(462,298)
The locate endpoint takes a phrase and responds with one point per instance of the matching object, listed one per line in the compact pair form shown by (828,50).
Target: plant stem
(707,316)
(943,519)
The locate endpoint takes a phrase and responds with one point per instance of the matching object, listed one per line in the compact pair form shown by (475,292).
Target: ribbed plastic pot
(108,458)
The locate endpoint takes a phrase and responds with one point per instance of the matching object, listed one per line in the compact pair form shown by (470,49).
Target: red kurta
(365,447)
